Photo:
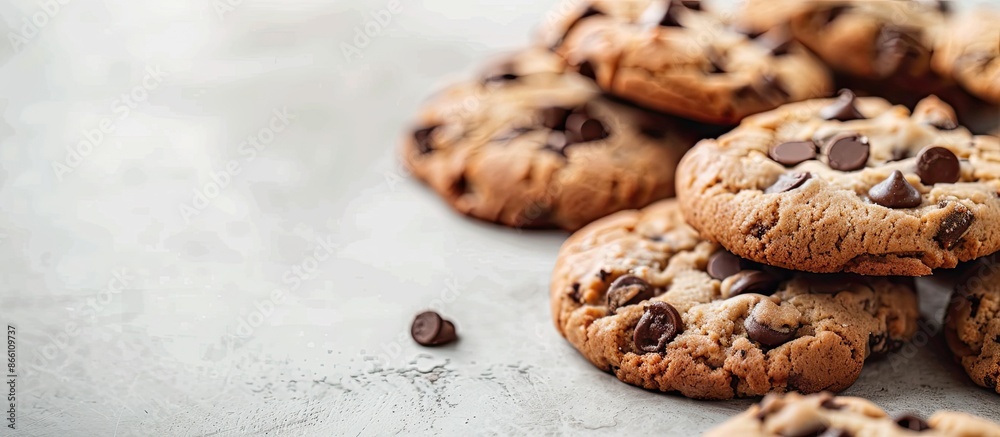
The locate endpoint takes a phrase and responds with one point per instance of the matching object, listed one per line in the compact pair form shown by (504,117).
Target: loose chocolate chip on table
(954,226)
(937,165)
(659,324)
(554,117)
(429,329)
(751,281)
(847,151)
(793,152)
(895,192)
(628,290)
(843,109)
(581,128)
(765,335)
(723,264)
(422,137)
(788,182)
(911,422)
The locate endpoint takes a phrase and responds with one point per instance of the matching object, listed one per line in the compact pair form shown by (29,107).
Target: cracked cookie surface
(848,185)
(527,145)
(823,414)
(640,295)
(676,57)
(972,325)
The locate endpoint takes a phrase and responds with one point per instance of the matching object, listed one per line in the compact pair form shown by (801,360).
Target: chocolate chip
(659,324)
(894,46)
(429,329)
(581,128)
(628,290)
(911,422)
(989,382)
(554,117)
(765,335)
(974,302)
(751,281)
(788,182)
(422,138)
(793,152)
(723,264)
(937,165)
(576,292)
(847,152)
(586,69)
(843,109)
(895,192)
(954,226)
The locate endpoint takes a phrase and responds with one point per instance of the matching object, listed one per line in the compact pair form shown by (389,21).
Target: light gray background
(194,344)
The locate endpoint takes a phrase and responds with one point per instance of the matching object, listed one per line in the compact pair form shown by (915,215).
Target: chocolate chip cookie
(675,57)
(969,52)
(825,415)
(873,39)
(972,324)
(848,185)
(643,297)
(527,146)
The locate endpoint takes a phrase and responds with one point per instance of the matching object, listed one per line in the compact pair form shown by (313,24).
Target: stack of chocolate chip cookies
(802,214)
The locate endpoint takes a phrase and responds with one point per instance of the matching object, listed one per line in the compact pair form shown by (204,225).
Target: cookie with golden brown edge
(527,145)
(825,415)
(969,52)
(972,324)
(676,57)
(848,185)
(643,297)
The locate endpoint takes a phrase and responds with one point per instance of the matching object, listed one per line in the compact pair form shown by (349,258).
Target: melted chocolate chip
(954,226)
(911,422)
(788,182)
(847,152)
(752,281)
(586,69)
(843,109)
(422,138)
(937,165)
(895,49)
(765,335)
(429,329)
(628,290)
(793,153)
(895,192)
(723,264)
(581,128)
(659,324)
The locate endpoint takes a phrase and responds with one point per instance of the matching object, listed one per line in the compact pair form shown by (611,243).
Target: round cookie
(675,57)
(972,324)
(848,185)
(640,295)
(529,147)
(825,415)
(870,39)
(970,53)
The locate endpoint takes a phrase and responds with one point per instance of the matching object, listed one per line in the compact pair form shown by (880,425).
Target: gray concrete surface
(168,276)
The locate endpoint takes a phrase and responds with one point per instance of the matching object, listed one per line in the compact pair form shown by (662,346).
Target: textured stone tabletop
(204,231)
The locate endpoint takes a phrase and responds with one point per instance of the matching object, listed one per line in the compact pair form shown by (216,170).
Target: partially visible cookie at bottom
(643,297)
(530,146)
(972,324)
(825,415)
